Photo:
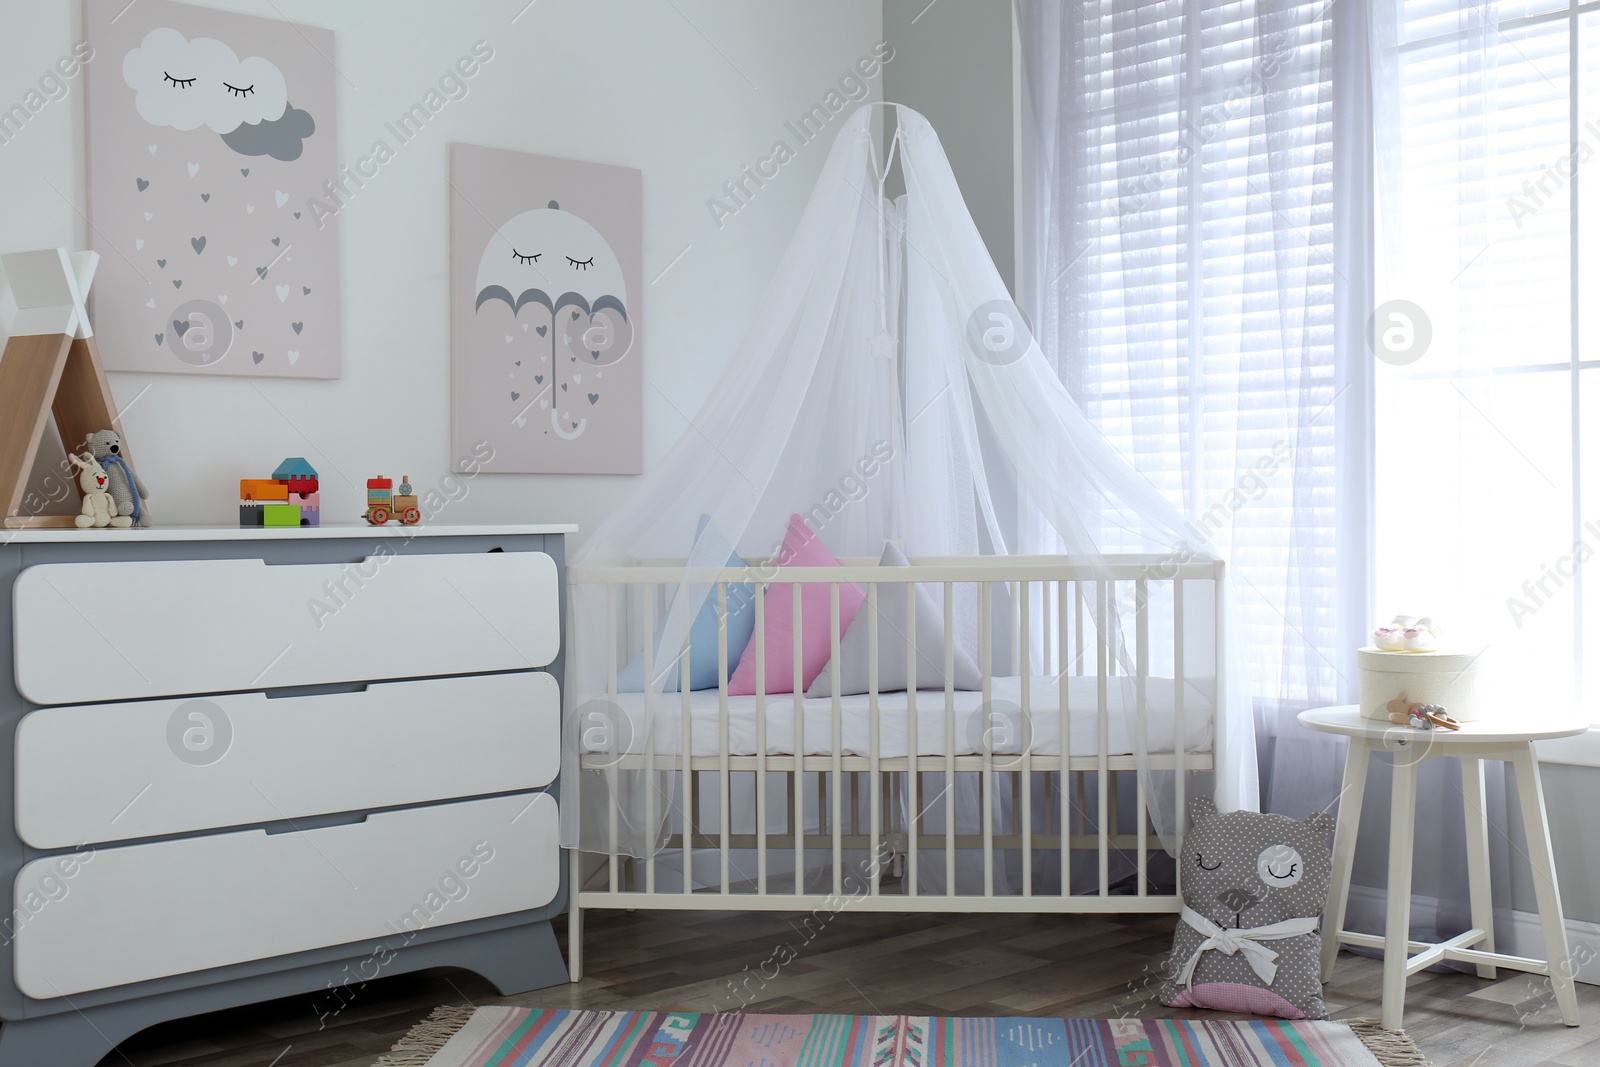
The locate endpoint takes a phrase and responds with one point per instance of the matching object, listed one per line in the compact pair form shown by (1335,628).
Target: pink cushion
(800,549)
(1237,998)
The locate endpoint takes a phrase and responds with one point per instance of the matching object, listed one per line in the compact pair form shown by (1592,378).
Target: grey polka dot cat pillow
(1249,938)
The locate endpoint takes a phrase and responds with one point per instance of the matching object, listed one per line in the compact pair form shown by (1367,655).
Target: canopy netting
(887,343)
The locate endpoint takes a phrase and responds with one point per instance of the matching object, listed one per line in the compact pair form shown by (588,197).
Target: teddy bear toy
(99,507)
(1248,938)
(125,487)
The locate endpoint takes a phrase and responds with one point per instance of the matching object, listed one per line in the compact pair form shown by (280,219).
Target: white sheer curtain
(1181,268)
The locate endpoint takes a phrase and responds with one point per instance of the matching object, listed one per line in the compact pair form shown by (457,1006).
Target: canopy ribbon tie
(1262,959)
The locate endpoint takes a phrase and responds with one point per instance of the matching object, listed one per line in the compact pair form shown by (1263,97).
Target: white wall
(686,92)
(973,112)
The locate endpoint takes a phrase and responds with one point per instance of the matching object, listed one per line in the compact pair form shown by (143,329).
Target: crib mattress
(1009,730)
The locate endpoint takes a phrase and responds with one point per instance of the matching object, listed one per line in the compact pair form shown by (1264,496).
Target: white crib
(855,814)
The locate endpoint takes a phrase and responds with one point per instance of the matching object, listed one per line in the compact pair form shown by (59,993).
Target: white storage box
(1452,680)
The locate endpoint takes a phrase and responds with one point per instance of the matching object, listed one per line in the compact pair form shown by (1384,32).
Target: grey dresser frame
(514,953)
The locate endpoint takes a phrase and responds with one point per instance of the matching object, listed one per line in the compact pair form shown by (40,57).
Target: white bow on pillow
(1261,958)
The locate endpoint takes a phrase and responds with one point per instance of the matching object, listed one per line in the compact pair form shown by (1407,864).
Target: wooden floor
(874,964)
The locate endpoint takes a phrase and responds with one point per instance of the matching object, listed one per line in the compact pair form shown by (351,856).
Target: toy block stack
(290,498)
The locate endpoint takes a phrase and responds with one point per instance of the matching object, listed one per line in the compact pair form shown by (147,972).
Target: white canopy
(886,331)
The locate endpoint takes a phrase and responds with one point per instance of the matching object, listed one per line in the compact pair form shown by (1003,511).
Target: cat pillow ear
(1320,824)
(1200,807)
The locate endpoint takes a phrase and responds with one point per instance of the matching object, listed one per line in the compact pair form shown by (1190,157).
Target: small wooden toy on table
(384,502)
(1404,711)
(290,498)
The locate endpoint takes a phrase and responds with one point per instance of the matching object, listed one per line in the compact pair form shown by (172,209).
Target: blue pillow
(703,630)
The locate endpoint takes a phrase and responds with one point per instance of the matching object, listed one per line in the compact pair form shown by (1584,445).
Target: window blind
(1195,299)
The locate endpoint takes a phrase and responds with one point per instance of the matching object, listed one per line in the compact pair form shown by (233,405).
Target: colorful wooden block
(250,515)
(275,515)
(262,489)
(310,507)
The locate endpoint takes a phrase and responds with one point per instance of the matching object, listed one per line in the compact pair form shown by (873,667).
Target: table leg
(1397,922)
(1480,891)
(1344,850)
(1530,797)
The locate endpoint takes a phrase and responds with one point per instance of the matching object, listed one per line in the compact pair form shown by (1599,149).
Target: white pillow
(853,647)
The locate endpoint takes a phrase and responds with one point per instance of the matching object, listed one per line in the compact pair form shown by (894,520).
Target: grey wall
(952,62)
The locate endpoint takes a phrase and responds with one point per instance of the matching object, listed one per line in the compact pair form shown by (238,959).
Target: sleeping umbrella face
(553,270)
(553,251)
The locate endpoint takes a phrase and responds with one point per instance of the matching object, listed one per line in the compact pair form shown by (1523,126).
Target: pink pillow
(800,549)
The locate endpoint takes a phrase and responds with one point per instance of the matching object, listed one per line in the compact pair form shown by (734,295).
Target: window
(1182,205)
(1488,418)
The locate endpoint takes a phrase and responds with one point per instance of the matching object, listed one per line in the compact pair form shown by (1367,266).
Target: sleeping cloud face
(187,84)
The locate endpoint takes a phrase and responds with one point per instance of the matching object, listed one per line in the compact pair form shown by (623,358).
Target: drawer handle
(315,690)
(312,823)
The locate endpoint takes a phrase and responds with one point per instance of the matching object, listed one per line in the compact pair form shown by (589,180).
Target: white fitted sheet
(1044,697)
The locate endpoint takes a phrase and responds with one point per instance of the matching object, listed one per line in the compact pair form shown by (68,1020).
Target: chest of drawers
(246,764)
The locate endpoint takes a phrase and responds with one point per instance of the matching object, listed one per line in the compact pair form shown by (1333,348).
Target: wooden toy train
(383,503)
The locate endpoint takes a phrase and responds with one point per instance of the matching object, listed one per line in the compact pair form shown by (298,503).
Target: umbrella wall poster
(545,308)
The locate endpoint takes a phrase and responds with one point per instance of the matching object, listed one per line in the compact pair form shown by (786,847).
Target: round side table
(1473,743)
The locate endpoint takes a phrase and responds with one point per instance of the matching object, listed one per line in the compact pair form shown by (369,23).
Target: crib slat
(1064,734)
(949,740)
(1141,673)
(759,643)
(1218,618)
(1024,640)
(986,649)
(614,862)
(650,817)
(874,779)
(838,742)
(1015,599)
(1180,746)
(1047,643)
(913,814)
(1102,671)
(1077,608)
(724,779)
(686,749)
(798,738)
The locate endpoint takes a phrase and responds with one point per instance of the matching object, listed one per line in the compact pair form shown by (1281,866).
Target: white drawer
(121,631)
(145,911)
(172,766)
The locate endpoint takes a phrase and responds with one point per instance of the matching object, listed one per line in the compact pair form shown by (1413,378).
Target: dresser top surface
(258,533)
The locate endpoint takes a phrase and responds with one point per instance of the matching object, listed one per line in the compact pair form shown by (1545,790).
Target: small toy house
(298,475)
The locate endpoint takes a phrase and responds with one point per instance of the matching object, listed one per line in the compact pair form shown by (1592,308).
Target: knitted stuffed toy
(125,487)
(99,509)
(1249,938)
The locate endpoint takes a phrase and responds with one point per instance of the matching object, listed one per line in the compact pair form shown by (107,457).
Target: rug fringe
(1393,1048)
(424,1040)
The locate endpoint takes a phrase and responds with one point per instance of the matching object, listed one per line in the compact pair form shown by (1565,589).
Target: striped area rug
(524,1037)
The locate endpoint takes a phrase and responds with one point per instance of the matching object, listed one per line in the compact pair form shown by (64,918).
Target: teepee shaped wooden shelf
(50,365)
